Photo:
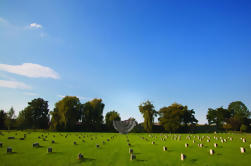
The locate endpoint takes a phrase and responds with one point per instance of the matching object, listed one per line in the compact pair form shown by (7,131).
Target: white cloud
(30,70)
(13,84)
(35,26)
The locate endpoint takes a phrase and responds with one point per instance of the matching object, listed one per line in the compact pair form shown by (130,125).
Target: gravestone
(9,150)
(182,156)
(242,150)
(132,157)
(215,145)
(53,141)
(49,150)
(211,151)
(35,145)
(75,143)
(153,142)
(129,144)
(164,148)
(186,145)
(97,145)
(130,151)
(80,156)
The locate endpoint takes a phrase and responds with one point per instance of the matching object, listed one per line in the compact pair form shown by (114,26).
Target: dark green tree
(175,116)
(9,121)
(218,116)
(110,117)
(148,112)
(239,115)
(35,115)
(2,119)
(92,115)
(66,114)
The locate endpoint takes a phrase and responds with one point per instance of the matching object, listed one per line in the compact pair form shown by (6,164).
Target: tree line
(69,114)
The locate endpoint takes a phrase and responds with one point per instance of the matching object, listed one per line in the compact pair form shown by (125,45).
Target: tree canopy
(148,112)
(174,116)
(110,117)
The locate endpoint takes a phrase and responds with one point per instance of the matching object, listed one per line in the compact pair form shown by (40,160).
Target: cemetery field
(114,149)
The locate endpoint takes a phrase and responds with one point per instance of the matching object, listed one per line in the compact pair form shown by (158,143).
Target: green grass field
(116,151)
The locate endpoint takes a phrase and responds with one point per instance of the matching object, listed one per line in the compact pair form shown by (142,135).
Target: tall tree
(175,116)
(239,115)
(9,121)
(218,116)
(92,115)
(35,115)
(2,119)
(66,114)
(148,112)
(110,117)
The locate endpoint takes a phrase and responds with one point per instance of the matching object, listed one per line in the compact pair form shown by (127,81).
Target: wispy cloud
(35,26)
(13,84)
(30,70)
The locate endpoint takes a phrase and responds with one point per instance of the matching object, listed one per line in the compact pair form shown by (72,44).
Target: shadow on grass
(140,160)
(194,160)
(86,160)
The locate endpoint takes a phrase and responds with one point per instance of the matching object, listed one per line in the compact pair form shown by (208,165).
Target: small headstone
(153,142)
(132,157)
(53,141)
(129,144)
(182,156)
(97,145)
(208,140)
(215,145)
(186,145)
(211,151)
(193,141)
(250,145)
(35,145)
(242,150)
(244,140)
(80,156)
(130,151)
(49,150)
(164,148)
(9,150)
(75,143)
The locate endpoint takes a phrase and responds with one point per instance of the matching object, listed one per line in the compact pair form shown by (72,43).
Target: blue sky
(197,53)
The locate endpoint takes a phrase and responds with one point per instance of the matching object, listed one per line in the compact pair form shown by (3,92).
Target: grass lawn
(116,151)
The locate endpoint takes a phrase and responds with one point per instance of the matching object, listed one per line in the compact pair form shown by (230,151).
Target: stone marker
(186,145)
(75,143)
(53,141)
(211,151)
(250,145)
(164,148)
(9,150)
(132,157)
(35,145)
(130,151)
(97,145)
(129,144)
(215,145)
(244,140)
(50,150)
(182,156)
(80,156)
(153,142)
(242,150)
